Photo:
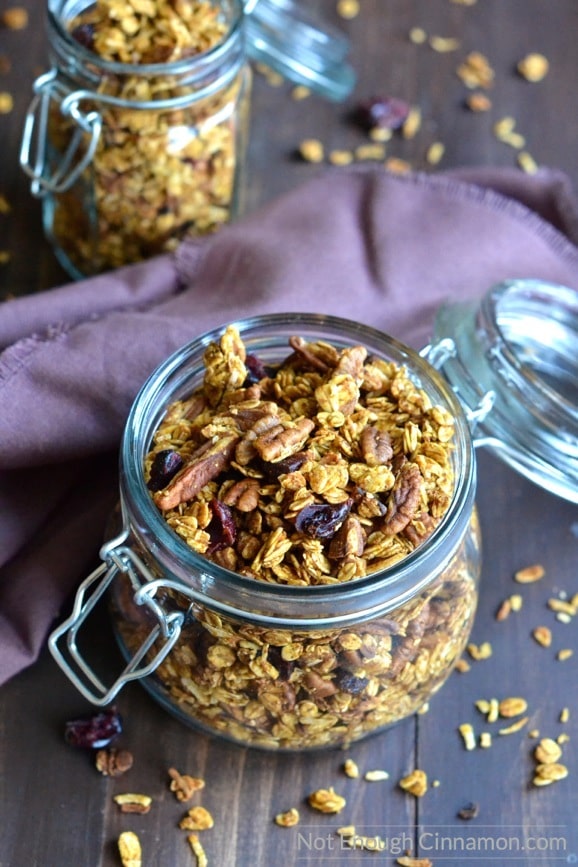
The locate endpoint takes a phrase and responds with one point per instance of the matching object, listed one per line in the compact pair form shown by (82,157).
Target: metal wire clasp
(443,354)
(117,558)
(33,149)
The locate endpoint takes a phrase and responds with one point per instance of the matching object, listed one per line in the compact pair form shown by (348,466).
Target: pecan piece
(113,762)
(279,442)
(375,446)
(348,540)
(244,495)
(403,500)
(351,362)
(318,686)
(320,358)
(206,463)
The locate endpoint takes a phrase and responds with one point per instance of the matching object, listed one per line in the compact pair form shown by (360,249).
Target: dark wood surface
(56,810)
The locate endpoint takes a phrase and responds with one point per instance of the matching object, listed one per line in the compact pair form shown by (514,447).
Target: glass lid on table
(512,358)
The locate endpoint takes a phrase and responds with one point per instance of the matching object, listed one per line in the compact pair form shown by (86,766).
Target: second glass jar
(141,129)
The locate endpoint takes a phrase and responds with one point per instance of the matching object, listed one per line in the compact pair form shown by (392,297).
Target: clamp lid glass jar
(373,605)
(137,135)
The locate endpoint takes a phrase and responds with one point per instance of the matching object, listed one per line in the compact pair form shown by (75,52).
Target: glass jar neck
(200,74)
(310,607)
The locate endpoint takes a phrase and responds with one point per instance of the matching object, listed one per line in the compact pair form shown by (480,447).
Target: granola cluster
(320,470)
(157,174)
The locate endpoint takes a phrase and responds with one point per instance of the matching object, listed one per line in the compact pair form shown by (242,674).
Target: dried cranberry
(385,112)
(222,528)
(165,465)
(289,464)
(349,682)
(94,732)
(84,35)
(322,521)
(284,666)
(256,370)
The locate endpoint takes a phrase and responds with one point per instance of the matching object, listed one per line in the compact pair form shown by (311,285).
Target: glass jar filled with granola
(137,136)
(299,555)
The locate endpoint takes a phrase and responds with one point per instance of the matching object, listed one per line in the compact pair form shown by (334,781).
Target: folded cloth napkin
(383,249)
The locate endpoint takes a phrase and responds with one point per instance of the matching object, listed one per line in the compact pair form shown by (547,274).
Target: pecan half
(244,495)
(404,499)
(206,463)
(375,446)
(348,540)
(279,441)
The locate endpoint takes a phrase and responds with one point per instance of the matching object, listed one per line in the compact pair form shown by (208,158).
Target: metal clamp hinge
(167,628)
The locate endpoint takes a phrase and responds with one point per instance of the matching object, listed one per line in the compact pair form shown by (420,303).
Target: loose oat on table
(198,850)
(512,706)
(312,150)
(444,44)
(326,800)
(15,18)
(434,153)
(479,651)
(350,769)
(415,783)
(529,574)
(183,785)
(564,714)
(288,819)
(562,606)
(409,861)
(130,802)
(6,102)
(533,67)
(348,9)
(564,654)
(514,727)
(542,635)
(130,850)
(547,751)
(549,773)
(476,71)
(376,776)
(466,730)
(319,470)
(478,102)
(197,819)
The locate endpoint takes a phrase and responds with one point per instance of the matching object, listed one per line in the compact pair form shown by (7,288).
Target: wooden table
(57,811)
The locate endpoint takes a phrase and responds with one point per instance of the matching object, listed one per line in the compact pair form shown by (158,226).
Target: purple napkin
(383,249)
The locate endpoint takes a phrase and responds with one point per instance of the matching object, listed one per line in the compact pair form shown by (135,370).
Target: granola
(158,174)
(323,469)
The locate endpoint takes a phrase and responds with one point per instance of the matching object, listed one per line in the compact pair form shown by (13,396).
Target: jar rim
(228,591)
(205,61)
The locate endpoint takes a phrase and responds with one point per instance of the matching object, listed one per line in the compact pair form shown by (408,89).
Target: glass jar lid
(512,359)
(287,36)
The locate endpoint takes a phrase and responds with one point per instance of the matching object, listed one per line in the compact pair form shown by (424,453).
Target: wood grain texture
(56,810)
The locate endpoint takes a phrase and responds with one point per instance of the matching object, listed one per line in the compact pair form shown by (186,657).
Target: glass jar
(268,665)
(137,136)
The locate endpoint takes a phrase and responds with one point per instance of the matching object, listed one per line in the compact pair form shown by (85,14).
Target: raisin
(84,35)
(322,521)
(165,465)
(349,682)
(469,811)
(93,732)
(222,528)
(284,666)
(290,464)
(383,112)
(256,370)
